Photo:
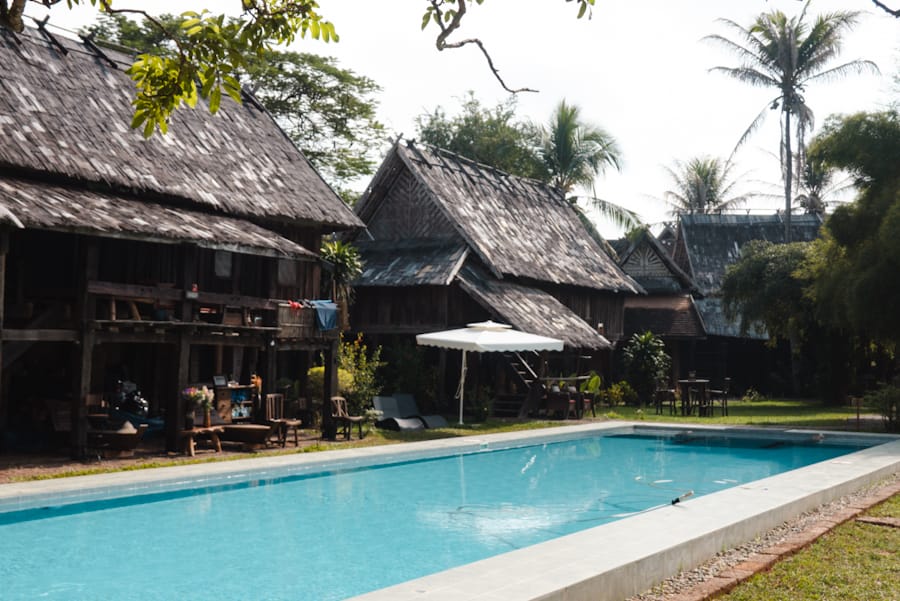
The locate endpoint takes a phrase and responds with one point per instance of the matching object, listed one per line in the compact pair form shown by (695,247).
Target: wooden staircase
(524,375)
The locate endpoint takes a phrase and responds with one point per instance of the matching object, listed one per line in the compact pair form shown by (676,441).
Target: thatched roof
(530,310)
(410,262)
(669,316)
(708,244)
(44,206)
(65,117)
(518,227)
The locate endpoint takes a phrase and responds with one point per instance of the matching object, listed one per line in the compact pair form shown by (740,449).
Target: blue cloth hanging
(326,314)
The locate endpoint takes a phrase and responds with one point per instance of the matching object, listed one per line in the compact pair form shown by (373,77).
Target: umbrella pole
(462,386)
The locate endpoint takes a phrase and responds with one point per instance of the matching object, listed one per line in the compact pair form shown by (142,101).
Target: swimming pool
(319,529)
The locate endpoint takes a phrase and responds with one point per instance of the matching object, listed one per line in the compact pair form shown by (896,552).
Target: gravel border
(728,568)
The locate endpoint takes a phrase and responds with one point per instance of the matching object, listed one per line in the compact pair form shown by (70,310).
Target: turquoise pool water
(330,536)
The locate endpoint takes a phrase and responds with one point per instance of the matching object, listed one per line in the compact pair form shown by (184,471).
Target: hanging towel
(326,314)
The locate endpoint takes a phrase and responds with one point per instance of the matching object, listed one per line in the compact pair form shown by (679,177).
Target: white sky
(638,68)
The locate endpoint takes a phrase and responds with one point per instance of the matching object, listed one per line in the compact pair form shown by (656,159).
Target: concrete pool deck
(609,562)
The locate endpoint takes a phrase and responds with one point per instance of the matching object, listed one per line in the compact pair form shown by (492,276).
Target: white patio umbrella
(486,337)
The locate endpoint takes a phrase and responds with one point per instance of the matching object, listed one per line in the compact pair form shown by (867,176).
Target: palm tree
(815,183)
(702,185)
(574,153)
(786,54)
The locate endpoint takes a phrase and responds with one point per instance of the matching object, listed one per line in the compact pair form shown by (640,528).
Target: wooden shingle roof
(530,310)
(38,205)
(410,262)
(708,244)
(518,227)
(65,117)
(669,316)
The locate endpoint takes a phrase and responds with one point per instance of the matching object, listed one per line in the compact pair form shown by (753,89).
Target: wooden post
(4,249)
(89,269)
(329,428)
(175,408)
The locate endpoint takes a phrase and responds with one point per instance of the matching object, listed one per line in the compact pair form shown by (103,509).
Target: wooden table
(190,436)
(699,399)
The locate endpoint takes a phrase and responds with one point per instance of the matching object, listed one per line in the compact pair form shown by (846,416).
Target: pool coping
(649,547)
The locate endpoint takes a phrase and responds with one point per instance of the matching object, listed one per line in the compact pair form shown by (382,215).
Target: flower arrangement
(198,397)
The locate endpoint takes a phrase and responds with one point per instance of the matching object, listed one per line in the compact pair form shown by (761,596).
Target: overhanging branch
(448,28)
(888,10)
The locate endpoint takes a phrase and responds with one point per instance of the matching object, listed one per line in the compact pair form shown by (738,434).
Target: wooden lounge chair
(344,419)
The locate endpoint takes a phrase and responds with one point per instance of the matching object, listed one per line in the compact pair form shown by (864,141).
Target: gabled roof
(530,310)
(410,262)
(708,244)
(65,116)
(651,266)
(518,227)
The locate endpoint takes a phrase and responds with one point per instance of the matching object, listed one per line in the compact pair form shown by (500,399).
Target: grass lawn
(794,413)
(853,562)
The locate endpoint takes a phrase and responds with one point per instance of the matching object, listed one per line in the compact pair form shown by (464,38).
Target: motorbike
(128,399)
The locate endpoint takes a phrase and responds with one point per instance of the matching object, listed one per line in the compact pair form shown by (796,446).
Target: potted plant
(198,398)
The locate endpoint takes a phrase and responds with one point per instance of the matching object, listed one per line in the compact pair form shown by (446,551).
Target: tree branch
(448,28)
(885,8)
(11,15)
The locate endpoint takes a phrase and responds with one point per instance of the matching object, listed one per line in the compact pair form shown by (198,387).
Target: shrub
(621,393)
(646,363)
(886,400)
(354,357)
(315,381)
(752,396)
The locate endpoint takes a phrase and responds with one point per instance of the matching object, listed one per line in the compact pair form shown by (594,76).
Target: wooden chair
(560,402)
(275,415)
(344,419)
(720,396)
(664,397)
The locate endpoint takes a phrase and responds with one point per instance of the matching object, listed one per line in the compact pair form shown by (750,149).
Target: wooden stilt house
(705,246)
(165,261)
(668,309)
(449,241)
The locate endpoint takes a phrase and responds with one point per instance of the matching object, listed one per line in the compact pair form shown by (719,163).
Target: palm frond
(617,214)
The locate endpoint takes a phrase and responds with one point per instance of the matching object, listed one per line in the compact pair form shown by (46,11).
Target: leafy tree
(491,136)
(703,185)
(212,50)
(646,363)
(763,286)
(575,152)
(327,111)
(769,285)
(854,270)
(787,54)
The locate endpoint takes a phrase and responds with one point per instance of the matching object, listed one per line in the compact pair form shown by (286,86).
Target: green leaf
(148,128)
(215,99)
(582,10)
